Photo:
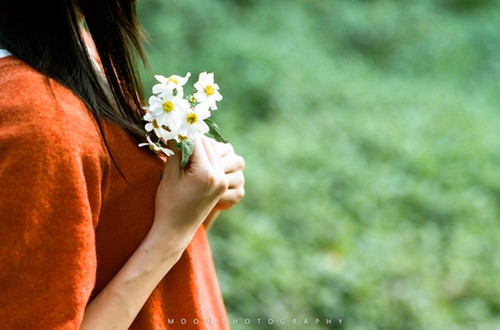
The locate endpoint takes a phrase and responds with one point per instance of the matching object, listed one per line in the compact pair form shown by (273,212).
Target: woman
(96,232)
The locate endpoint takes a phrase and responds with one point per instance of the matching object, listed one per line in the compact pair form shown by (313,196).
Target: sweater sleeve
(52,166)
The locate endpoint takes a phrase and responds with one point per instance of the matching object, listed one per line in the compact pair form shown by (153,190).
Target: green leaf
(186,148)
(214,131)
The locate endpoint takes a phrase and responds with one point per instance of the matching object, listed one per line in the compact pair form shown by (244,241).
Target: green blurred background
(370,131)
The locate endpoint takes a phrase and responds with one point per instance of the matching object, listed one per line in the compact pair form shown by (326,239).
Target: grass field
(370,131)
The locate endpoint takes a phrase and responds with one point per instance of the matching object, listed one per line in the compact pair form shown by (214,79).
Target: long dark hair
(47,35)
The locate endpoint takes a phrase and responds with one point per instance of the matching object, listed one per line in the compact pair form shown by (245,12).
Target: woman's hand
(233,166)
(186,195)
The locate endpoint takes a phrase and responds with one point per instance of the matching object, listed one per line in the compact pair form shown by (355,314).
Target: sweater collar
(4,53)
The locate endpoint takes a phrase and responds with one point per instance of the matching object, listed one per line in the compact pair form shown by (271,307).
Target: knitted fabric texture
(69,219)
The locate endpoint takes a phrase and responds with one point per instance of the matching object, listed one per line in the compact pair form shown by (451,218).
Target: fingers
(233,165)
(230,198)
(205,168)
(231,162)
(199,158)
(212,165)
(235,180)
(212,155)
(223,149)
(235,191)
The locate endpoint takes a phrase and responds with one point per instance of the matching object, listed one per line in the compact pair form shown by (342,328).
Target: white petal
(167,152)
(161,78)
(148,117)
(161,89)
(217,96)
(202,110)
(199,87)
(181,81)
(155,101)
(200,96)
(202,127)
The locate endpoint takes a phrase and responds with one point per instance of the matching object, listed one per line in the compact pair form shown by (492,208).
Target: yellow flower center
(173,80)
(155,124)
(182,137)
(209,90)
(192,118)
(168,106)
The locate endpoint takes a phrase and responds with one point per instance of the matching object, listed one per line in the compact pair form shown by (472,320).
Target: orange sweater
(69,220)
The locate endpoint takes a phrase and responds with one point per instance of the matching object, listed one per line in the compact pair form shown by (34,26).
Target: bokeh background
(370,131)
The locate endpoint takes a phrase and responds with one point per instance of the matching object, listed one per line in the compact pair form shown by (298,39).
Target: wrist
(165,243)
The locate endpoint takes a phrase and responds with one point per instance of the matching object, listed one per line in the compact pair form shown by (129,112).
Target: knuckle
(216,182)
(222,184)
(240,161)
(240,193)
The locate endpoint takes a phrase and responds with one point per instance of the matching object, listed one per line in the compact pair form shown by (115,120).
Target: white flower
(166,111)
(156,147)
(159,131)
(171,85)
(152,124)
(207,92)
(170,115)
(192,123)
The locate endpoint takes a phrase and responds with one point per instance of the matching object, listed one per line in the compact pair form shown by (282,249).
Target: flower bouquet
(173,116)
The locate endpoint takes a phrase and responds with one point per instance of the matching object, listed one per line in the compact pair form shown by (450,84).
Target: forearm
(120,301)
(209,221)
(184,199)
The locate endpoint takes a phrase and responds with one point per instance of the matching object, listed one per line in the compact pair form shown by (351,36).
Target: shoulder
(47,132)
(50,145)
(37,110)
